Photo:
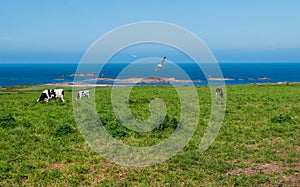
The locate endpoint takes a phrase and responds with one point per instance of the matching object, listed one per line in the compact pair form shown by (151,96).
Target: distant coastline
(69,84)
(65,74)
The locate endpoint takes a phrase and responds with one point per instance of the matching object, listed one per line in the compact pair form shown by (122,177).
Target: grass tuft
(8,121)
(63,130)
(168,123)
(282,118)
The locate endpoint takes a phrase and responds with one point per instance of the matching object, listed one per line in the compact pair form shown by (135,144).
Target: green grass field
(258,144)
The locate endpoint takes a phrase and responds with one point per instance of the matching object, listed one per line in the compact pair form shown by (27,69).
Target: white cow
(83,93)
(52,93)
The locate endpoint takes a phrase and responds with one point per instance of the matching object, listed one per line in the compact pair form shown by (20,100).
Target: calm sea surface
(242,73)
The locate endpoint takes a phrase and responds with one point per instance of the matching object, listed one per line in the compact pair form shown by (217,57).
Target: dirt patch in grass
(285,173)
(292,180)
(257,146)
(103,171)
(277,167)
(251,147)
(58,166)
(274,140)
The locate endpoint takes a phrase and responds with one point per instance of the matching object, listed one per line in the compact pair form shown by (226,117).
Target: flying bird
(160,65)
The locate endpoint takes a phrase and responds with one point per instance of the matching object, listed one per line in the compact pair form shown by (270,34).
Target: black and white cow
(219,92)
(83,93)
(52,93)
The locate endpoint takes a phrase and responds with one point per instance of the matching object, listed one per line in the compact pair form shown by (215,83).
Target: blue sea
(241,73)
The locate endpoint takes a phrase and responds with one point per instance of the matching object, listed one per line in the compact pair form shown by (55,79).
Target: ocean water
(241,73)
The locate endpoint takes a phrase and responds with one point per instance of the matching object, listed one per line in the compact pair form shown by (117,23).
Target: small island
(264,79)
(82,75)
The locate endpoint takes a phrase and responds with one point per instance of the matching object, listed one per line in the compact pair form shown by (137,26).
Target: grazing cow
(219,92)
(83,93)
(52,93)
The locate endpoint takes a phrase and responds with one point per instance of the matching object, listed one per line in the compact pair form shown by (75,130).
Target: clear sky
(236,31)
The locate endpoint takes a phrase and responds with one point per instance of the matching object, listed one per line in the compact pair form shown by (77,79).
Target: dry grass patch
(285,173)
(58,166)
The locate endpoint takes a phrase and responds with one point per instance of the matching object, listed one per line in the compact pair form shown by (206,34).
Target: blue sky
(236,31)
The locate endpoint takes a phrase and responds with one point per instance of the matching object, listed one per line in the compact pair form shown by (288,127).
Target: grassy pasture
(258,144)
